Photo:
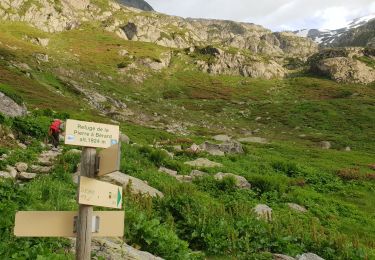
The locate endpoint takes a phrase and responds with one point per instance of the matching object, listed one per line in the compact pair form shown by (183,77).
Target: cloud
(277,15)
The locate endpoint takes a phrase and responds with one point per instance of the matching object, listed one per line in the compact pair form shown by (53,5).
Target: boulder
(21,166)
(10,108)
(231,147)
(137,185)
(325,145)
(203,162)
(213,149)
(194,148)
(309,256)
(115,249)
(297,207)
(12,171)
(123,53)
(263,212)
(253,139)
(241,182)
(168,171)
(124,138)
(26,176)
(40,169)
(221,138)
(282,257)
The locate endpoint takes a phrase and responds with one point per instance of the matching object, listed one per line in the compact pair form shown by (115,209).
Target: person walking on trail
(54,131)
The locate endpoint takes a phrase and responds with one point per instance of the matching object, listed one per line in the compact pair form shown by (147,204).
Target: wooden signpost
(98,193)
(85,223)
(61,223)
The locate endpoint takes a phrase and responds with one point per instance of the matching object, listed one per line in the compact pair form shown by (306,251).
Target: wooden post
(84,223)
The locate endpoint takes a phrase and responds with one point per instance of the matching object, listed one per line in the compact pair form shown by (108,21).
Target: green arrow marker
(119,197)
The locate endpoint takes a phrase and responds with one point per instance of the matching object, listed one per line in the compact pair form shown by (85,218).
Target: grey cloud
(270,13)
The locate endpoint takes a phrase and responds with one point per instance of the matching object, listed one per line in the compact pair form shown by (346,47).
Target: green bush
(36,127)
(9,92)
(2,119)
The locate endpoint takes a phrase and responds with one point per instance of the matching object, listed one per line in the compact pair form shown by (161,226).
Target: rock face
(245,49)
(137,185)
(10,108)
(344,65)
(241,182)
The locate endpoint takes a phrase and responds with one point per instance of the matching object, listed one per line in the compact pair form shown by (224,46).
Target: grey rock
(168,171)
(297,207)
(12,171)
(282,257)
(21,145)
(241,182)
(263,212)
(309,256)
(10,108)
(221,138)
(137,185)
(124,138)
(115,249)
(253,139)
(26,176)
(139,4)
(203,162)
(40,169)
(21,166)
(325,145)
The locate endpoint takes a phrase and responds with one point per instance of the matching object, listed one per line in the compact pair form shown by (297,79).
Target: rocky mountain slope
(139,4)
(359,32)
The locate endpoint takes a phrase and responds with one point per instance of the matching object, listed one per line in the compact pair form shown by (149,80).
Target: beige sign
(91,134)
(61,223)
(98,193)
(109,160)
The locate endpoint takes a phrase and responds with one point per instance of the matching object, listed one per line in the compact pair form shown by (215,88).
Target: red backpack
(55,126)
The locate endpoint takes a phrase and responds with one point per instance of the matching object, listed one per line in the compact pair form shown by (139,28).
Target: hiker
(54,131)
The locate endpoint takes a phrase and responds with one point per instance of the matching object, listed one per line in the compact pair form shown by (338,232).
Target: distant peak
(139,4)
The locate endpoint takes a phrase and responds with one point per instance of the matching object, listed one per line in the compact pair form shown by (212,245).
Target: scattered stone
(213,149)
(347,149)
(168,171)
(309,256)
(40,169)
(263,212)
(194,148)
(124,138)
(232,147)
(203,162)
(253,139)
(12,171)
(177,148)
(241,182)
(282,257)
(297,207)
(325,145)
(45,161)
(42,57)
(21,166)
(11,136)
(5,175)
(26,176)
(22,146)
(123,53)
(137,185)
(221,138)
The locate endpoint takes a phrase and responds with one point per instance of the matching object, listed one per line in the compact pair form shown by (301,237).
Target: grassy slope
(210,215)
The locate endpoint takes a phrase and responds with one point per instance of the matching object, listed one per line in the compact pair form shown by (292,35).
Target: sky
(277,15)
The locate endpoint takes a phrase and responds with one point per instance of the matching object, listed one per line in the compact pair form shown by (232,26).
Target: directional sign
(61,223)
(91,134)
(98,193)
(109,160)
